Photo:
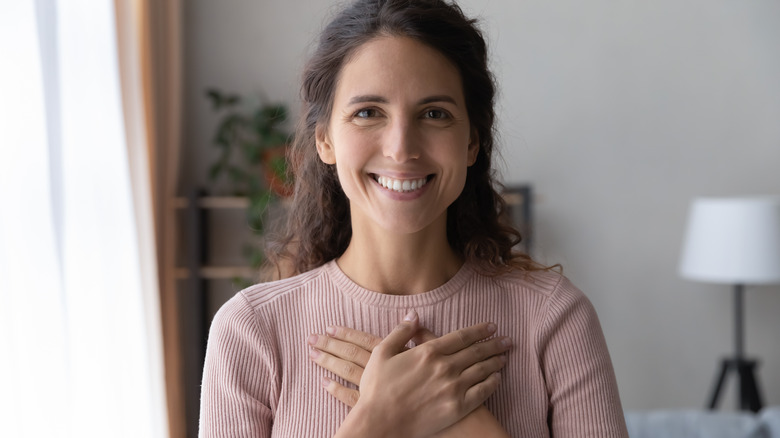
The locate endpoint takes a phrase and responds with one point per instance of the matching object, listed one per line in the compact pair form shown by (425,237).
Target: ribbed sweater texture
(258,380)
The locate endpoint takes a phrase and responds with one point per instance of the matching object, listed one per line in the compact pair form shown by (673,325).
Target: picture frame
(519,213)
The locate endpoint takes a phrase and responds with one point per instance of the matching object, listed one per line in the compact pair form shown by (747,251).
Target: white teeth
(397,185)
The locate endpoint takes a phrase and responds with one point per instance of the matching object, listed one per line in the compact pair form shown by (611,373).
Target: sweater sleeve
(238,377)
(581,384)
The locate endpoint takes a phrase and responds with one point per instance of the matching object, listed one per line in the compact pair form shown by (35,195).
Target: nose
(401,144)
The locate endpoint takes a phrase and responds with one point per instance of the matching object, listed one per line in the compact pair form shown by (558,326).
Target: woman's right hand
(423,390)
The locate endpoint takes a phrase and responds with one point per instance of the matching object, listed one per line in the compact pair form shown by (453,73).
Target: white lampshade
(733,240)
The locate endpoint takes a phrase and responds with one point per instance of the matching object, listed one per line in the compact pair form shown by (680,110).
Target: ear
(324,146)
(473,148)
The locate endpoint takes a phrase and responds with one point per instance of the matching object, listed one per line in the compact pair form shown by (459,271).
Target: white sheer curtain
(80,349)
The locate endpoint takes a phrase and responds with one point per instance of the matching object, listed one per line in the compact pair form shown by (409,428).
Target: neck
(400,264)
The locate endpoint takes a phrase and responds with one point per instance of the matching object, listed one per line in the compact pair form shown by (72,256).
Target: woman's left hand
(346,351)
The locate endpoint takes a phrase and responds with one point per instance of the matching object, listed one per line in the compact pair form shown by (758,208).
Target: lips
(401,185)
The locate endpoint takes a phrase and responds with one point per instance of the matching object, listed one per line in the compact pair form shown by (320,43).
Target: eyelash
(442,114)
(364,110)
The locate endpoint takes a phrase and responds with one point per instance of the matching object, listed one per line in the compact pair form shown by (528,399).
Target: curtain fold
(150,41)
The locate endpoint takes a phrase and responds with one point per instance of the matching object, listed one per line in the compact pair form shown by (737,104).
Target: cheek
(455,163)
(453,154)
(348,159)
(350,167)
(354,150)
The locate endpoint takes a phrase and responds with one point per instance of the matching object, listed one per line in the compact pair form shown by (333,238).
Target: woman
(395,218)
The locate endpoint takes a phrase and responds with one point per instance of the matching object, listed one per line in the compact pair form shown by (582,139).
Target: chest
(304,408)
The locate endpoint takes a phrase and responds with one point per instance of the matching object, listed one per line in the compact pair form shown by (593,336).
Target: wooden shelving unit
(193,279)
(197,206)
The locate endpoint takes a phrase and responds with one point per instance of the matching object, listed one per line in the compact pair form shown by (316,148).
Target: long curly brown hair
(318,227)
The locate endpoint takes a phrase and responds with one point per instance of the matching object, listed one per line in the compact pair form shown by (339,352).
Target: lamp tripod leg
(724,367)
(748,393)
(749,396)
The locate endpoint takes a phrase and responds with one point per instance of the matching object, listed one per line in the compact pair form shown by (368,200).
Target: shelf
(214,202)
(219,272)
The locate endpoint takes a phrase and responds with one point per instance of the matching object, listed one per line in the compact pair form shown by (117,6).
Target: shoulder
(248,322)
(265,294)
(244,306)
(550,285)
(560,307)
(552,296)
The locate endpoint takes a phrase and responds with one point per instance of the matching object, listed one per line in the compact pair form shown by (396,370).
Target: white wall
(618,112)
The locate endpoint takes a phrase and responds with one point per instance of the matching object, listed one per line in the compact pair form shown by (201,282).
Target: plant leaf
(258,206)
(241,283)
(215,97)
(237,174)
(215,170)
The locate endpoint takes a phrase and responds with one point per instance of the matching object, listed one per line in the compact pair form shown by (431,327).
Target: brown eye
(436,114)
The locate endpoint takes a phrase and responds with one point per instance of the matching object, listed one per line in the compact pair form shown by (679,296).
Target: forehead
(398,67)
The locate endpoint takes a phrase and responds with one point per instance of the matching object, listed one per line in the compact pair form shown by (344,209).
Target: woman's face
(399,135)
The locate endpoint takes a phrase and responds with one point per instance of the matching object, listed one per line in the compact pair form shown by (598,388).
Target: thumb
(402,333)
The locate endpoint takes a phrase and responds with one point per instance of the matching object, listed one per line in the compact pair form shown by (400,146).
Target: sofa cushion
(770,419)
(700,424)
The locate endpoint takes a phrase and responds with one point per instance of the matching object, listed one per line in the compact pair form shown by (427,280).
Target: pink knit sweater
(259,382)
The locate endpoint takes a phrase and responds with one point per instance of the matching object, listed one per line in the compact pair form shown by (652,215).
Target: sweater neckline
(370,297)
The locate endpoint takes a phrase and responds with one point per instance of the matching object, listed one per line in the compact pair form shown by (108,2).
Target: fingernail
(331,331)
(314,353)
(506,342)
(411,316)
(325,382)
(313,339)
(491,328)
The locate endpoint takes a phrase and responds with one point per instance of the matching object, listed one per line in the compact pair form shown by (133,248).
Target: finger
(344,350)
(477,394)
(460,339)
(402,333)
(480,351)
(482,370)
(343,394)
(423,335)
(345,369)
(363,340)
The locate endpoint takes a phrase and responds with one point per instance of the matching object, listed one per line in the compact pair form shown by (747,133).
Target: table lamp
(734,241)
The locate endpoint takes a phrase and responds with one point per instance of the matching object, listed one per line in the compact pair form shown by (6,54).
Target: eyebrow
(367,98)
(440,98)
(379,99)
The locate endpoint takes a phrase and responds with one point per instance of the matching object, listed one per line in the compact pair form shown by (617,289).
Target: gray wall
(618,112)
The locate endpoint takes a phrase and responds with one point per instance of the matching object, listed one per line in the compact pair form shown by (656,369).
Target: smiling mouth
(401,185)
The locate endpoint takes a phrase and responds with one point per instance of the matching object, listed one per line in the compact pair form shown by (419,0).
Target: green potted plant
(252,157)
